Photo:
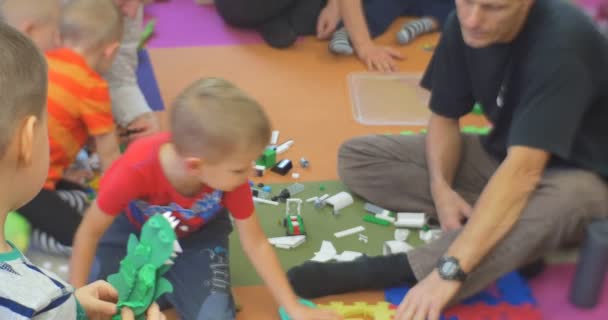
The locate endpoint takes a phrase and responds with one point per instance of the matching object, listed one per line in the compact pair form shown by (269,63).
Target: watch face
(449,268)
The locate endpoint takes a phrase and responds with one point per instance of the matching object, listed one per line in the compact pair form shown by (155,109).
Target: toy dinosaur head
(158,240)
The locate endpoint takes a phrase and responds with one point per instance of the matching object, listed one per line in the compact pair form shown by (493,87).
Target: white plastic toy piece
(289,205)
(430,235)
(295,175)
(260,200)
(393,247)
(287,242)
(363,238)
(284,146)
(349,232)
(401,234)
(326,253)
(274,138)
(348,256)
(410,220)
(340,201)
(313,199)
(385,217)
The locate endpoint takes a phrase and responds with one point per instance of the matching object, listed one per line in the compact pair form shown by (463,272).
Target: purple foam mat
(551,290)
(184,23)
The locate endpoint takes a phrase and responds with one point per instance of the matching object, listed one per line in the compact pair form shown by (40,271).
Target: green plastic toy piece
(371,219)
(423,131)
(477,109)
(139,280)
(268,159)
(283,314)
(147,33)
(407,133)
(322,187)
(476,130)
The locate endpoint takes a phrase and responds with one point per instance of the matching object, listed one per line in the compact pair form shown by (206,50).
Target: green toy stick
(139,280)
(147,33)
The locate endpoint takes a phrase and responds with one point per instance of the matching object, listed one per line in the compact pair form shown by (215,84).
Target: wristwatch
(449,269)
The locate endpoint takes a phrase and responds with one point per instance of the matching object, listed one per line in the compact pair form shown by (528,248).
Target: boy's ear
(27,27)
(111,49)
(193,164)
(26,140)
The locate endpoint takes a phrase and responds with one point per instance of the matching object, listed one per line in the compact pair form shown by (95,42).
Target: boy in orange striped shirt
(79,109)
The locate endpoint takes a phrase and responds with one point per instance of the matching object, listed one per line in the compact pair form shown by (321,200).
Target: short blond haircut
(23,82)
(15,12)
(213,119)
(91,24)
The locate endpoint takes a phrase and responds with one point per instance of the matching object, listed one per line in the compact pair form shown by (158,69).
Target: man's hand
(328,20)
(379,58)
(301,312)
(98,300)
(128,7)
(153,313)
(427,299)
(142,126)
(452,209)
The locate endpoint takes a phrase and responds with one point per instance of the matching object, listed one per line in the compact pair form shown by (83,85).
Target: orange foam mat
(303,89)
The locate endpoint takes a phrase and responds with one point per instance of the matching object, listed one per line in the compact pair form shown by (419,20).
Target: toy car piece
(293,222)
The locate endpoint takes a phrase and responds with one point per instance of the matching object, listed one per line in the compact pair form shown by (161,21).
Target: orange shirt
(79,107)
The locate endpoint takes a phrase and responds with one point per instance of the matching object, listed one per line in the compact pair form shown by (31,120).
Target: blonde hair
(212,118)
(91,24)
(15,12)
(23,82)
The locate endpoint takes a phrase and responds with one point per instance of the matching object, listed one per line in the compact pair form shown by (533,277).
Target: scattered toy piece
(349,232)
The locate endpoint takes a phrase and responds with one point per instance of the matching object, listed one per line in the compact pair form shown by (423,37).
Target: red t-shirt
(137,185)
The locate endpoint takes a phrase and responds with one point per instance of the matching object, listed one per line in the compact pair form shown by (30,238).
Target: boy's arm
(92,227)
(374,56)
(262,256)
(107,148)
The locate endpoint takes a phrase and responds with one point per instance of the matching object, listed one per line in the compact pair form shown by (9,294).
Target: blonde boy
(199,172)
(28,292)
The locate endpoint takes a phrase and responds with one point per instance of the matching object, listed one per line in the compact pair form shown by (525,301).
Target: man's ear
(111,49)
(27,27)
(26,140)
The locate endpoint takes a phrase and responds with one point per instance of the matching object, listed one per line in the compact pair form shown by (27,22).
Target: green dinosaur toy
(139,279)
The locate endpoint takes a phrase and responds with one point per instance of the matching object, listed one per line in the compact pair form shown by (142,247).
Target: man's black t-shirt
(546,89)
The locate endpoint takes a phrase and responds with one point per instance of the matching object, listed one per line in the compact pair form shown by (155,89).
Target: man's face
(486,22)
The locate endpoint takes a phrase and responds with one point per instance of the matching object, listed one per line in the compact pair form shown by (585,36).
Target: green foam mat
(320,225)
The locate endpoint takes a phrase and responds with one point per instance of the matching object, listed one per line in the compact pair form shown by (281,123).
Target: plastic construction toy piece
(283,314)
(372,219)
(394,247)
(268,159)
(476,130)
(370,207)
(293,222)
(147,33)
(340,201)
(361,310)
(282,167)
(304,163)
(348,232)
(139,280)
(477,109)
(407,133)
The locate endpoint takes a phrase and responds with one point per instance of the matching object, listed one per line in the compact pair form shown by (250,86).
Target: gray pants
(391,171)
(200,275)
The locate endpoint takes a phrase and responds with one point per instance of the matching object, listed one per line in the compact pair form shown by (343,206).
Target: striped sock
(77,199)
(411,30)
(42,241)
(340,44)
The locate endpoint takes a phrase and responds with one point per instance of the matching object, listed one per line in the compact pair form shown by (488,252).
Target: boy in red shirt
(199,172)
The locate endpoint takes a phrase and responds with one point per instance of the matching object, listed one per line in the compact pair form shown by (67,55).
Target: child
(199,172)
(28,292)
(129,106)
(379,15)
(39,20)
(79,108)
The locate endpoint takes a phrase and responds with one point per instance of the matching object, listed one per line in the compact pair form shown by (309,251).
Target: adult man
(539,69)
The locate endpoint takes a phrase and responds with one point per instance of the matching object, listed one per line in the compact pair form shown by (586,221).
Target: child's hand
(328,20)
(305,313)
(98,300)
(142,126)
(153,313)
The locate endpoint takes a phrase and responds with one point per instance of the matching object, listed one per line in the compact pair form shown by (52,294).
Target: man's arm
(443,147)
(107,147)
(374,56)
(500,205)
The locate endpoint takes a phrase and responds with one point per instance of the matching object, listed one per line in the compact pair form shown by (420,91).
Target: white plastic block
(274,137)
(386,217)
(348,256)
(287,242)
(340,201)
(393,247)
(260,200)
(349,232)
(430,235)
(401,234)
(410,220)
(326,253)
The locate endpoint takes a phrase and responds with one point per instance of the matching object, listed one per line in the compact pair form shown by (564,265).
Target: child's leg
(201,274)
(44,212)
(379,15)
(128,102)
(433,14)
